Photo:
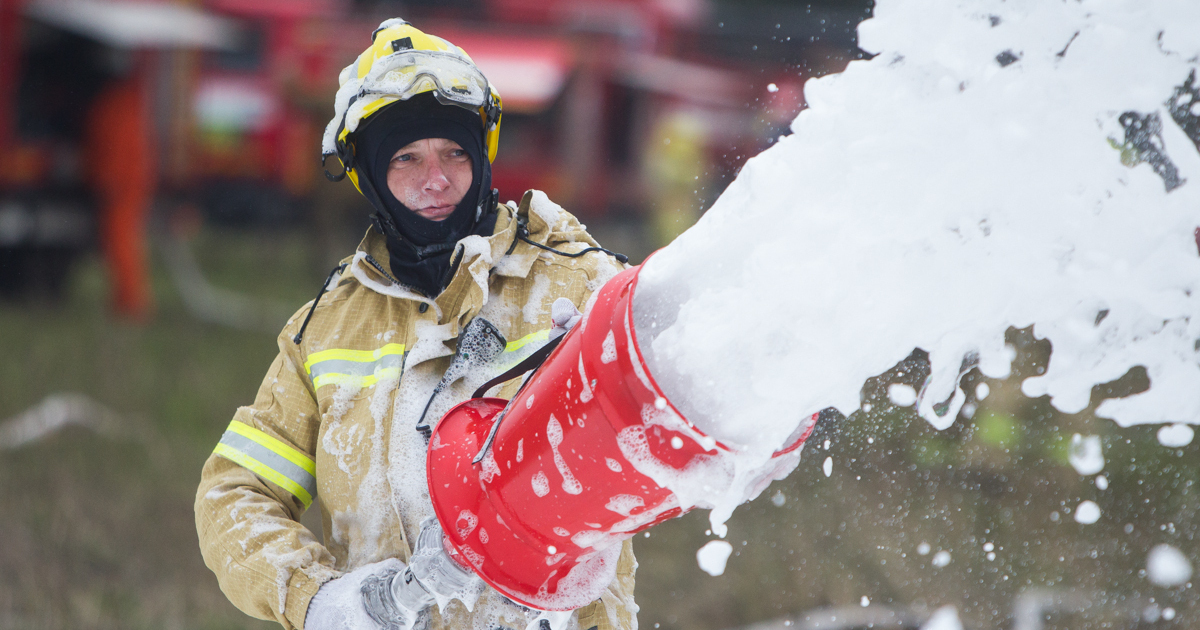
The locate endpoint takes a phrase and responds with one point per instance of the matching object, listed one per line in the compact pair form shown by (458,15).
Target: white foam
(548,211)
(585,395)
(608,352)
(1086,454)
(535,308)
(1087,513)
(902,395)
(554,434)
(1167,566)
(713,556)
(624,504)
(944,618)
(575,589)
(932,198)
(466,523)
(541,485)
(1176,435)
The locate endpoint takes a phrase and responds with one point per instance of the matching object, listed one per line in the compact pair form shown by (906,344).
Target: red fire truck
(613,107)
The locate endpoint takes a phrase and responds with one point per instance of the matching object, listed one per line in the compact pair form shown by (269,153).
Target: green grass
(97,527)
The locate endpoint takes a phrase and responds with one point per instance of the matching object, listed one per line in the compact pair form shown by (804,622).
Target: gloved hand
(443,577)
(383,595)
(392,596)
(564,315)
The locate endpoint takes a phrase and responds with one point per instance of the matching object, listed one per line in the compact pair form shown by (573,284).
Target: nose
(435,177)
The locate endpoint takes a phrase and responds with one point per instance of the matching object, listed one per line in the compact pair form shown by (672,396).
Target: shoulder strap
(531,362)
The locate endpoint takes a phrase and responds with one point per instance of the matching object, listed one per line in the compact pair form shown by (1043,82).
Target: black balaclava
(420,250)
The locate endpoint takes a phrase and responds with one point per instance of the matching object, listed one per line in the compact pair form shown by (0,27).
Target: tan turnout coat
(335,418)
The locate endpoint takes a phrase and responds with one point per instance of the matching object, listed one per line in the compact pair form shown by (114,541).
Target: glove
(395,600)
(564,315)
(442,576)
(446,578)
(384,595)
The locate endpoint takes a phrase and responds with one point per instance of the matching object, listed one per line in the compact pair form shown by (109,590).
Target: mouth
(436,213)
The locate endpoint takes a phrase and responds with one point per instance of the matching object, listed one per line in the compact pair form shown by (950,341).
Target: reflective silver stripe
(355,368)
(272,461)
(359,368)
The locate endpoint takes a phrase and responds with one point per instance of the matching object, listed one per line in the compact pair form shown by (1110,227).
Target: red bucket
(539,516)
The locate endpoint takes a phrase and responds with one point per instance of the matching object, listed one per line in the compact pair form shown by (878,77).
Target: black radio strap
(531,362)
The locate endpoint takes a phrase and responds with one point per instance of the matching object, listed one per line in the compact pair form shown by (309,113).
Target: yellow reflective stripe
(338,366)
(540,335)
(513,353)
(262,470)
(360,356)
(271,459)
(276,446)
(354,379)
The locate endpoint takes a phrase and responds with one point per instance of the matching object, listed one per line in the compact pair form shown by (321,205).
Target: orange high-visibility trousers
(121,167)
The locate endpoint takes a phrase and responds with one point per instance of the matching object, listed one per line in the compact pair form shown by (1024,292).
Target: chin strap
(487,204)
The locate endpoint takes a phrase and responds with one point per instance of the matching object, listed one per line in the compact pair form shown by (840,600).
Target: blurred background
(163,211)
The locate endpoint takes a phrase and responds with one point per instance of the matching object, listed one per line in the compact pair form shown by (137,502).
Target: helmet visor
(453,79)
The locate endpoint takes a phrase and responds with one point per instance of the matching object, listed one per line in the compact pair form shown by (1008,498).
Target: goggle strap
(493,114)
(343,148)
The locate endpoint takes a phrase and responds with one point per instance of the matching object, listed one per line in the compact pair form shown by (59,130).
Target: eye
(404,157)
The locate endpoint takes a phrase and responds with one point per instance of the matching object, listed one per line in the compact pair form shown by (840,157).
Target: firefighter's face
(430,177)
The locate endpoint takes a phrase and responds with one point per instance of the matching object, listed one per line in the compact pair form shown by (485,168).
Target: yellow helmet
(401,63)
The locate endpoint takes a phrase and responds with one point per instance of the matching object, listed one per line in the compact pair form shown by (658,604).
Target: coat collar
(503,253)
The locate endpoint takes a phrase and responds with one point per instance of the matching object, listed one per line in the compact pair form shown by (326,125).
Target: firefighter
(367,363)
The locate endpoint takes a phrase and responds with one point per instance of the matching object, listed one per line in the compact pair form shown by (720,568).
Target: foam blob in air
(944,618)
(713,556)
(1087,513)
(902,395)
(1167,566)
(1176,435)
(1086,454)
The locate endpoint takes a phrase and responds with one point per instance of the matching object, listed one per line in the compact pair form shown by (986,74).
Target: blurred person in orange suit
(122,170)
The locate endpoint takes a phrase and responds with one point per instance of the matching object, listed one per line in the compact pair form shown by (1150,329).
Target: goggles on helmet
(404,74)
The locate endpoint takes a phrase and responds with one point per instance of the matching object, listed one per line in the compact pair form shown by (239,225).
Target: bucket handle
(531,362)
(488,344)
